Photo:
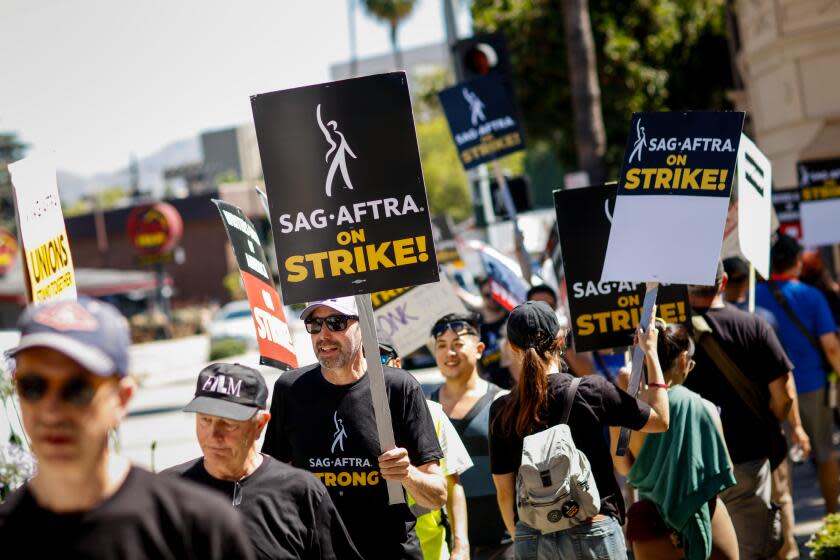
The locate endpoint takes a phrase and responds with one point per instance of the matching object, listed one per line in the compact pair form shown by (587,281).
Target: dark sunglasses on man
(77,391)
(458,327)
(335,323)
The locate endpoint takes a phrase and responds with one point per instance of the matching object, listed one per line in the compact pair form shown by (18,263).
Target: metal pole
(519,238)
(638,362)
(486,195)
(449,23)
(381,409)
(751,291)
(351,22)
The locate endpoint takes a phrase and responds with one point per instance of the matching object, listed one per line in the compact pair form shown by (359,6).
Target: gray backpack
(555,488)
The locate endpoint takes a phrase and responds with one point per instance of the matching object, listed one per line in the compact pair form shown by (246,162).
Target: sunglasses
(458,327)
(336,323)
(77,392)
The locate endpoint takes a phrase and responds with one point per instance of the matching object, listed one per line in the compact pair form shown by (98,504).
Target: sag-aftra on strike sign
(673,195)
(345,188)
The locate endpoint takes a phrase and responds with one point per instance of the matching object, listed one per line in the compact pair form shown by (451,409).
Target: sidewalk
(807,504)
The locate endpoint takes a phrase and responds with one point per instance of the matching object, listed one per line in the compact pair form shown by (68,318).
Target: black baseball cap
(532,324)
(230,391)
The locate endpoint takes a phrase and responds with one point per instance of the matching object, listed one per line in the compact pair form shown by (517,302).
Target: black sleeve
(505,448)
(417,430)
(774,361)
(330,538)
(276,444)
(613,406)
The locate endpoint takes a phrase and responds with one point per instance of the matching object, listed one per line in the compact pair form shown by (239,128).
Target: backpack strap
(744,386)
(785,305)
(568,399)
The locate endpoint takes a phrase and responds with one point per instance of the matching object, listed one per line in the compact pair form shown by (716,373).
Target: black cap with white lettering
(230,391)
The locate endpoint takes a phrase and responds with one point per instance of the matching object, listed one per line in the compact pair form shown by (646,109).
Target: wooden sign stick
(381,410)
(638,362)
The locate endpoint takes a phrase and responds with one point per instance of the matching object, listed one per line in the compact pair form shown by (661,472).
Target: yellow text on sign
(680,178)
(46,261)
(358,258)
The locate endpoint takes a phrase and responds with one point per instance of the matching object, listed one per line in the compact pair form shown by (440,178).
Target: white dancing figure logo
(640,142)
(340,433)
(341,150)
(476,106)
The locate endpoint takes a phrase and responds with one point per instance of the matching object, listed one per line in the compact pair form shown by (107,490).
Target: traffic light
(481,55)
(520,192)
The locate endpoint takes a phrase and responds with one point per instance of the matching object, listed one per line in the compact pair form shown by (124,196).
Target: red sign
(155,229)
(8,250)
(273,336)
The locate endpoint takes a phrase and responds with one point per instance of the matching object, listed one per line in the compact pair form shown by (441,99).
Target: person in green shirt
(679,473)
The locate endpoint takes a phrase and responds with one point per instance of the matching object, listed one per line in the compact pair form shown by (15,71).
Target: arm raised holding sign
(656,395)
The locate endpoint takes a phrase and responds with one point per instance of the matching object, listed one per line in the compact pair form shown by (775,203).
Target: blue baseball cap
(88,331)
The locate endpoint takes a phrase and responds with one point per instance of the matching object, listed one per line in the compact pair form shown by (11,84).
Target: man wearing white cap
(322,420)
(85,502)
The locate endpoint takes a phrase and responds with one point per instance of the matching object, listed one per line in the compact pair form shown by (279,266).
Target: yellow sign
(50,269)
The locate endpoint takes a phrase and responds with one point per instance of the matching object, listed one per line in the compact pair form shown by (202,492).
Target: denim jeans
(588,541)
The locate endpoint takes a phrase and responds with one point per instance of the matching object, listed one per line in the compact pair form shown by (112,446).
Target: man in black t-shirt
(322,420)
(752,345)
(84,502)
(288,514)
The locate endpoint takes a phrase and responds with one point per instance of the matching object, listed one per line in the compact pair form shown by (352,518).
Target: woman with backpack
(536,405)
(679,474)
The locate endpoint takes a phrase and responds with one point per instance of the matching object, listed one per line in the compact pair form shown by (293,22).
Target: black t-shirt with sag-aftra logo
(330,430)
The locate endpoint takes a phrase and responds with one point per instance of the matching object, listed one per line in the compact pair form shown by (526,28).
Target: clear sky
(95,80)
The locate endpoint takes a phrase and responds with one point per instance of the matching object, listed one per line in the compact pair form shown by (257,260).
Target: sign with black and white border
(786,205)
(603,314)
(673,196)
(482,119)
(819,206)
(345,187)
(273,336)
(755,189)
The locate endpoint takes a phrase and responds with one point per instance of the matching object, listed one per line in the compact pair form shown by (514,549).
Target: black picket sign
(603,314)
(345,188)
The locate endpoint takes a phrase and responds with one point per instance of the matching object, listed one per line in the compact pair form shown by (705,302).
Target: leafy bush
(825,544)
(226,347)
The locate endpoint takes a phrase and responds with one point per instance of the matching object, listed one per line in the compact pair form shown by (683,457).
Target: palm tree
(393,12)
(590,136)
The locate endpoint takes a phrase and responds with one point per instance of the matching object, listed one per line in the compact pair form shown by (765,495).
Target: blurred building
(228,155)
(788,60)
(100,240)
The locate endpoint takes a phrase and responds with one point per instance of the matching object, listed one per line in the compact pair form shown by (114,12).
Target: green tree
(392,12)
(652,55)
(446,182)
(111,197)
